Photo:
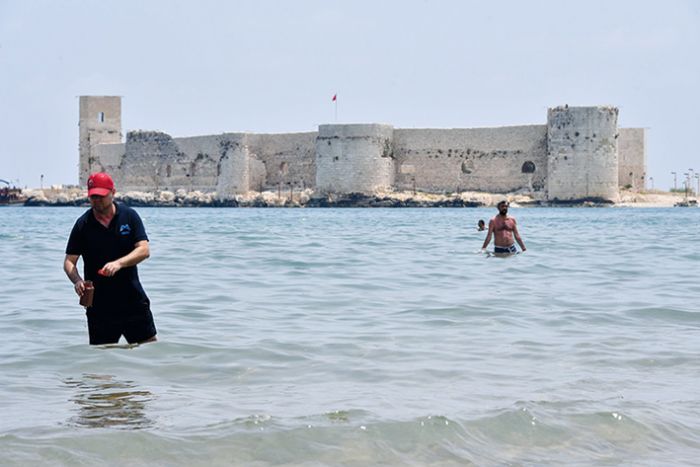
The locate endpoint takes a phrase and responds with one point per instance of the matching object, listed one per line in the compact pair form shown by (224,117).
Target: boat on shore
(10,194)
(688,203)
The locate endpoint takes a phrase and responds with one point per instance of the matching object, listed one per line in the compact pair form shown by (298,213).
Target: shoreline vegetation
(74,196)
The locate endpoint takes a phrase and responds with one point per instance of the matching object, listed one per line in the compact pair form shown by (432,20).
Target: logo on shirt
(124,229)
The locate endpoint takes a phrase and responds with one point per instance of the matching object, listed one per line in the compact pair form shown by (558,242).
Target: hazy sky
(205,67)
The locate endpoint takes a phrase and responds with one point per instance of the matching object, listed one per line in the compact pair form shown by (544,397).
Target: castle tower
(233,169)
(100,123)
(582,159)
(355,158)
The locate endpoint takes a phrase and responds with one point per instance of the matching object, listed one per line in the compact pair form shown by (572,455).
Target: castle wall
(155,161)
(354,158)
(288,160)
(482,159)
(582,157)
(108,158)
(201,166)
(632,158)
(234,166)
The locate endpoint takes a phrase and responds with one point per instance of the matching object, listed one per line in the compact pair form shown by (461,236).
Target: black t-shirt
(98,245)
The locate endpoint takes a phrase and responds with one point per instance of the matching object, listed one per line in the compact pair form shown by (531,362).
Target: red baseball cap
(100,184)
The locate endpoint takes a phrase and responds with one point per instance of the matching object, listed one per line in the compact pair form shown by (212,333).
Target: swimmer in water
(503,228)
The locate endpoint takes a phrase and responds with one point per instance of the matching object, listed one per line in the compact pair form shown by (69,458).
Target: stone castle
(580,153)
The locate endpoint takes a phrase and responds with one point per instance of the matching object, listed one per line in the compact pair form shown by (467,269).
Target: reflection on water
(105,402)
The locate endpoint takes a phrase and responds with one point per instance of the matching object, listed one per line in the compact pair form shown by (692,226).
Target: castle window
(528,167)
(467,167)
(101,117)
(168,170)
(284,168)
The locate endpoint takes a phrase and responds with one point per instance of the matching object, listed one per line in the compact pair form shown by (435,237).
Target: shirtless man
(503,227)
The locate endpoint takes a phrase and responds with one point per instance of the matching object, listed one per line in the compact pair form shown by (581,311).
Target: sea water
(362,337)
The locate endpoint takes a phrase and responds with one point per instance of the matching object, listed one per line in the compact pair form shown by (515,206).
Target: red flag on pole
(335,97)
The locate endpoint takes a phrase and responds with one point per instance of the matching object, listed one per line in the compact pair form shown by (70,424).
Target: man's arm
(70,266)
(140,252)
(488,235)
(517,236)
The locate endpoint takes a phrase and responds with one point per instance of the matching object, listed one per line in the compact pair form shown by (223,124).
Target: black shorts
(137,328)
(505,249)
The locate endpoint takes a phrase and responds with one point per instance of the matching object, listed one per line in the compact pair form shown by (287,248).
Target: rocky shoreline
(307,198)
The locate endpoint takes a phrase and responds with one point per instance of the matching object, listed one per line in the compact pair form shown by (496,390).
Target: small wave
(528,433)
(667,314)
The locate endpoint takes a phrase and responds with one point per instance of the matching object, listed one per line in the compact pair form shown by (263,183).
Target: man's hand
(111,268)
(69,266)
(79,287)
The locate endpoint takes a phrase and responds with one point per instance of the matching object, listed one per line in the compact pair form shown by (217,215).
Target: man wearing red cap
(112,241)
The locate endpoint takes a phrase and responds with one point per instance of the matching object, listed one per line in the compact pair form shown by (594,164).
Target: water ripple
(362,337)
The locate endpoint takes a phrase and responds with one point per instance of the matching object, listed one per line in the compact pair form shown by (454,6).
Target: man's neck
(105,217)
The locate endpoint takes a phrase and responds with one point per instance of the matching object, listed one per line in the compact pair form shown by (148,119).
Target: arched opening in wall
(528,167)
(100,117)
(284,169)
(168,170)
(193,169)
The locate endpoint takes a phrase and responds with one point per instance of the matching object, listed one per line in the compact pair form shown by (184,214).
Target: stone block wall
(288,160)
(202,166)
(234,167)
(108,158)
(354,158)
(483,159)
(149,159)
(582,157)
(153,160)
(631,150)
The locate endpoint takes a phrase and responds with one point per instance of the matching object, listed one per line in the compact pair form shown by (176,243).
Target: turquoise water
(363,337)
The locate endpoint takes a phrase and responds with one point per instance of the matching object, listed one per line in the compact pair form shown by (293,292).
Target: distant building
(579,153)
